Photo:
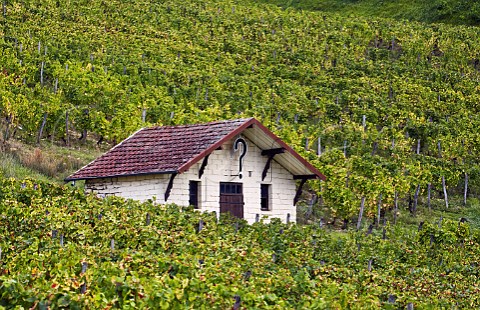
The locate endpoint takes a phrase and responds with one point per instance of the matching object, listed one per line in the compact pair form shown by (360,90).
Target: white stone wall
(222,167)
(132,187)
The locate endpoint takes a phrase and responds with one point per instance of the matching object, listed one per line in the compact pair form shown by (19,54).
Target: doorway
(231,198)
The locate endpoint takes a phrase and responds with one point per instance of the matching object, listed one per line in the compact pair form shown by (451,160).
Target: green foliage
(446,233)
(370,89)
(436,11)
(168,263)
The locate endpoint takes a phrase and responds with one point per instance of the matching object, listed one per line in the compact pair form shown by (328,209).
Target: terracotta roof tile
(158,150)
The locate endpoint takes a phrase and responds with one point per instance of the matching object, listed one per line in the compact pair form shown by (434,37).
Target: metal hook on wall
(240,141)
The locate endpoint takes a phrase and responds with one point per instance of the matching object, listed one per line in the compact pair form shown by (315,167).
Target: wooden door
(231,198)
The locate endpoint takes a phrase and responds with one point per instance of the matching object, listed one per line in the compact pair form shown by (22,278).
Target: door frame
(235,200)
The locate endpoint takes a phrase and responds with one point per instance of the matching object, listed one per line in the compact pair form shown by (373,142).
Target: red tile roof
(168,149)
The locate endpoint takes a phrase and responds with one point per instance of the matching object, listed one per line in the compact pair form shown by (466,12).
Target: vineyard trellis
(392,106)
(62,248)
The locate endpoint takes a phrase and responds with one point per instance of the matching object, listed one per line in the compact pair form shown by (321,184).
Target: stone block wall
(223,166)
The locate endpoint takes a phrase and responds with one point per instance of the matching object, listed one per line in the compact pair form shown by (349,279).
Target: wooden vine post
(444,186)
(445,191)
(360,213)
(379,209)
(395,209)
(40,131)
(67,136)
(415,200)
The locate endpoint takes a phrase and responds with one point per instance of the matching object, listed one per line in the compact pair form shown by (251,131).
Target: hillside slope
(61,248)
(392,107)
(456,12)
(47,162)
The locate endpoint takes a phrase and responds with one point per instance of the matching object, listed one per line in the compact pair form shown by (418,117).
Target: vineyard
(388,110)
(455,12)
(61,248)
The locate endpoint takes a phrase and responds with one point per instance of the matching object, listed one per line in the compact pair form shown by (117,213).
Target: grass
(47,162)
(11,167)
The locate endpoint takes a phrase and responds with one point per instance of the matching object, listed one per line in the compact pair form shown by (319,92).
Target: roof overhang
(263,138)
(120,175)
(289,159)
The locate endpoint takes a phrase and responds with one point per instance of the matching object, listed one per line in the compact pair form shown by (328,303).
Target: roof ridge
(128,138)
(243,120)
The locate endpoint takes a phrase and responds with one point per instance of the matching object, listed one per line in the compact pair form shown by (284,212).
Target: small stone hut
(237,166)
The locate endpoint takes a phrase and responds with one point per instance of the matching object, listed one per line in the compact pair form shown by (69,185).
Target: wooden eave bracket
(270,153)
(299,191)
(202,167)
(305,176)
(169,186)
